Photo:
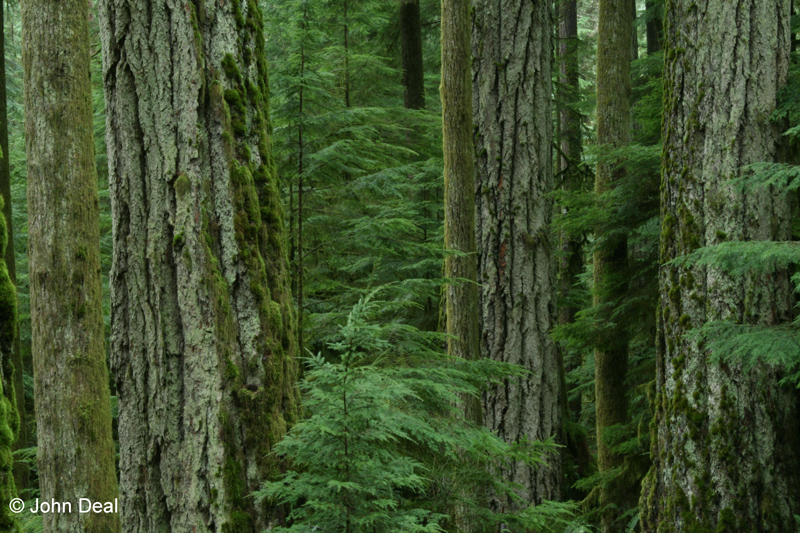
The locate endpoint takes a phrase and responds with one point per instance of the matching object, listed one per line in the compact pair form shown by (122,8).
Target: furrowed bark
(512,43)
(203,331)
(73,412)
(726,439)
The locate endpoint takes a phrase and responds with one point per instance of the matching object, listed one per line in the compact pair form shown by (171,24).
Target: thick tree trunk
(20,468)
(203,332)
(411,51)
(73,411)
(726,444)
(512,42)
(654,26)
(615,25)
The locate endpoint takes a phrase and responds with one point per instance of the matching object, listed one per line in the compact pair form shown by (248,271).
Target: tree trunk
(615,25)
(571,177)
(73,411)
(459,193)
(512,42)
(726,439)
(411,48)
(9,422)
(634,33)
(655,26)
(20,468)
(203,332)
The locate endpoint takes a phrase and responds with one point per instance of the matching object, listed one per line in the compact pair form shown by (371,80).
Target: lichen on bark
(726,438)
(203,330)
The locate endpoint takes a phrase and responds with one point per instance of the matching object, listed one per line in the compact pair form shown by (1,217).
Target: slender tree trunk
(634,33)
(610,260)
(73,411)
(459,193)
(203,332)
(512,42)
(726,444)
(20,468)
(655,26)
(300,189)
(571,178)
(346,57)
(411,51)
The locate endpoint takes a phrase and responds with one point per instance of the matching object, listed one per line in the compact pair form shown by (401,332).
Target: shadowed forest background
(402,266)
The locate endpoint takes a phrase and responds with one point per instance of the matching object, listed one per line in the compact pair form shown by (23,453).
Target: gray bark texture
(726,441)
(202,330)
(73,411)
(512,51)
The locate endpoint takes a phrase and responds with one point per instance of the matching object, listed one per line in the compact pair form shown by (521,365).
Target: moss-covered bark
(512,51)
(9,420)
(615,24)
(411,52)
(18,394)
(726,440)
(203,331)
(73,411)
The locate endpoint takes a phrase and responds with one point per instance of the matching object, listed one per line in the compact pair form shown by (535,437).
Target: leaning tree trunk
(202,328)
(73,412)
(726,443)
(411,51)
(615,24)
(512,42)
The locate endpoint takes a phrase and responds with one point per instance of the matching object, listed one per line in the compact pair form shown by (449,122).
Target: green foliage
(371,182)
(386,447)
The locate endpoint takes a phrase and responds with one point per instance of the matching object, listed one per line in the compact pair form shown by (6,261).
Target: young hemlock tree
(726,434)
(203,330)
(73,413)
(513,182)
(386,447)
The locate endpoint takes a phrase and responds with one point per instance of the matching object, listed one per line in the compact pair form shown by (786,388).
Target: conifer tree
(615,25)
(459,194)
(726,435)
(411,45)
(203,332)
(73,411)
(514,176)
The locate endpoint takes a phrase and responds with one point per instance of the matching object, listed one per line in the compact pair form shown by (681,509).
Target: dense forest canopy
(368,266)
